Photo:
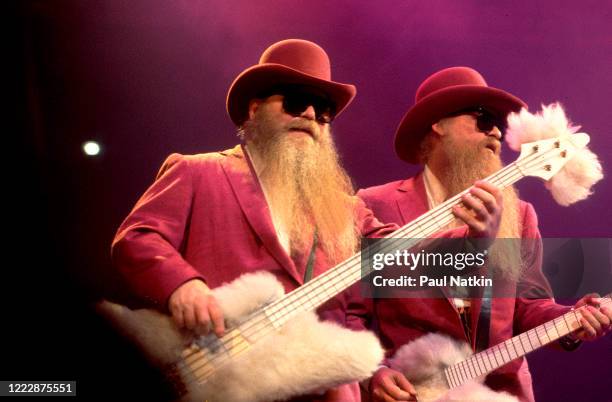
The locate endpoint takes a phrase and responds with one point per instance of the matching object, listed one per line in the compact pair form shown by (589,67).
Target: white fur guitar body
(303,356)
(423,362)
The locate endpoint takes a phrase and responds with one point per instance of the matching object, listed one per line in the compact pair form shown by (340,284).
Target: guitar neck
(322,288)
(483,363)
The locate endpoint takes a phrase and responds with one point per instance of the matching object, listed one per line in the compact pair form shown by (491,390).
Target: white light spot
(91,148)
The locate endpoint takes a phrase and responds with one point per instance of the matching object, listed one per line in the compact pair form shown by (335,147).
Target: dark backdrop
(148,77)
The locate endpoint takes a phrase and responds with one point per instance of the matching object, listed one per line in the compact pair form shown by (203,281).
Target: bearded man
(279,202)
(455,130)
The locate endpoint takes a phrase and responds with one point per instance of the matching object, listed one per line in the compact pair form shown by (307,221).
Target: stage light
(91,148)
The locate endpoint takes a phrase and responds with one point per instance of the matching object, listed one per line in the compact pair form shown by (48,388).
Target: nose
(495,132)
(309,113)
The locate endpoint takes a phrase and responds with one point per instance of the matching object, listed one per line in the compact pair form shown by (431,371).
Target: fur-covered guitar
(445,369)
(275,347)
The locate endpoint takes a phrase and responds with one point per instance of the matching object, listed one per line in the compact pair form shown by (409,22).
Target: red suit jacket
(205,216)
(398,321)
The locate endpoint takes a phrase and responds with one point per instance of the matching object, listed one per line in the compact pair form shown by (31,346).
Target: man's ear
(253,105)
(439,128)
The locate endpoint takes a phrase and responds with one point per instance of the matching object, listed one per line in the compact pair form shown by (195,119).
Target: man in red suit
(279,202)
(455,130)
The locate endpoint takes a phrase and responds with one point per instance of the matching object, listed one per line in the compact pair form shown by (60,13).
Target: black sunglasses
(485,120)
(296,99)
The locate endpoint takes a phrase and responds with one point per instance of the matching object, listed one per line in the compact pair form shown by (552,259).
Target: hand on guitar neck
(481,210)
(388,385)
(596,320)
(194,307)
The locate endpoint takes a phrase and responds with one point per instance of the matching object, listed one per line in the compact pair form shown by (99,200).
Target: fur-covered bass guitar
(275,347)
(445,369)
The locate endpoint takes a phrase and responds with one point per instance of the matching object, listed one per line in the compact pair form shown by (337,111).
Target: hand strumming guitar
(388,385)
(193,307)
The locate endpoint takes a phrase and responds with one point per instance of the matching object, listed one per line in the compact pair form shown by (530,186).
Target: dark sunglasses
(485,120)
(296,99)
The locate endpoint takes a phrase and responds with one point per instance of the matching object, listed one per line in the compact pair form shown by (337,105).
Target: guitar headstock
(544,158)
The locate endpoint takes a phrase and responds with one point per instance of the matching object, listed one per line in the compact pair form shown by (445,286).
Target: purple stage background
(148,77)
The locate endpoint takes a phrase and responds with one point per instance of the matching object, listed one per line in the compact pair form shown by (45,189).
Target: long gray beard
(308,189)
(470,165)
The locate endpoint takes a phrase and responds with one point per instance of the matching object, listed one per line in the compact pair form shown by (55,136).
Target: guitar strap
(484,321)
(311,259)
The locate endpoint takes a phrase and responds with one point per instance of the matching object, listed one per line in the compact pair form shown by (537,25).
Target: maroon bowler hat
(291,61)
(445,92)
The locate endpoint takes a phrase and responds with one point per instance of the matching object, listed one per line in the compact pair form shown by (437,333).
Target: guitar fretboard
(481,364)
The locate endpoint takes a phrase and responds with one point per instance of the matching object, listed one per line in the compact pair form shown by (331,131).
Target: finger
(216,315)
(593,299)
(587,299)
(589,314)
(189,317)
(597,320)
(404,384)
(491,189)
(487,199)
(201,329)
(177,316)
(379,395)
(589,331)
(601,315)
(390,387)
(202,319)
(473,203)
(387,398)
(462,213)
(607,310)
(469,219)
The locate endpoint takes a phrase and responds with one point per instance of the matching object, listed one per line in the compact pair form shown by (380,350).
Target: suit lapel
(241,176)
(415,205)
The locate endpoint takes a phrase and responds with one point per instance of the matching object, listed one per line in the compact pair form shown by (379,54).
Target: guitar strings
(470,368)
(438,217)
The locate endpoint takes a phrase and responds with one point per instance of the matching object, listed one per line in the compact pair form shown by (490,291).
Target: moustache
(304,125)
(493,144)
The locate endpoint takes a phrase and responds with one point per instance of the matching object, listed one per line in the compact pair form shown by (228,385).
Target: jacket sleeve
(146,248)
(369,225)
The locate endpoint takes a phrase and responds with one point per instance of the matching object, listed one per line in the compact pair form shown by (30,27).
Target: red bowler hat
(445,92)
(291,61)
